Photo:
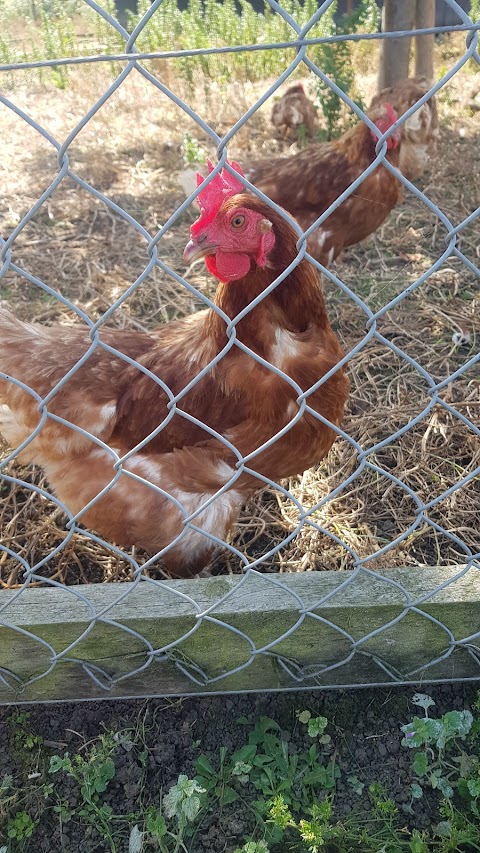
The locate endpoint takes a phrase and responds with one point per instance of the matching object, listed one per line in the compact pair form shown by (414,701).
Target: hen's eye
(238,221)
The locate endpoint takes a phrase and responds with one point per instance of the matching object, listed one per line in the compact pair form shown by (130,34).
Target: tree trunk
(425,17)
(395,52)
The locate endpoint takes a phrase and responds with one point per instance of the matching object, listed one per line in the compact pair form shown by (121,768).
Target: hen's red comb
(221,187)
(391,114)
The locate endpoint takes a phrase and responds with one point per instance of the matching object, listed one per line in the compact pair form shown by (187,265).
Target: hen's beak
(195,250)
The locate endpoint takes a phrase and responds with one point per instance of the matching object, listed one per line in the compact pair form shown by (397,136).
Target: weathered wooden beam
(260,610)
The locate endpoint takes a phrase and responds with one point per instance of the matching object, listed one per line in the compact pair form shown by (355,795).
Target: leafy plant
(253,847)
(315,726)
(276,771)
(335,60)
(231,773)
(434,765)
(25,739)
(181,803)
(193,153)
(93,775)
(20,826)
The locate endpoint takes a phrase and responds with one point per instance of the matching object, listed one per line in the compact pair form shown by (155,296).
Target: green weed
(193,153)
(20,827)
(181,805)
(93,775)
(336,61)
(435,741)
(286,785)
(24,738)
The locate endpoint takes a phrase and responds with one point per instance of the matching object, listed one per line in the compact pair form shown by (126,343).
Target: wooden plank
(259,608)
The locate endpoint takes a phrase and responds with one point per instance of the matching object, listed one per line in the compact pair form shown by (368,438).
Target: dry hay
(132,151)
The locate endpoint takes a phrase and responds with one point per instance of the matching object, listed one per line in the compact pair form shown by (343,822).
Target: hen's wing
(95,396)
(308,181)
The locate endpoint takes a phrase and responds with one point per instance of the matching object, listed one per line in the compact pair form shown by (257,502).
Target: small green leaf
(155,824)
(229,795)
(240,768)
(443,829)
(357,786)
(106,774)
(420,763)
(203,765)
(417,790)
(191,808)
(417,844)
(423,701)
(473,786)
(317,726)
(135,841)
(57,763)
(444,786)
(303,716)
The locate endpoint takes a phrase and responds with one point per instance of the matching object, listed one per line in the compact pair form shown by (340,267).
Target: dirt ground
(365,726)
(134,151)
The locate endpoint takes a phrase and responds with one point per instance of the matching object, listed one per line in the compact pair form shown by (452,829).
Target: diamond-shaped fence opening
(362,569)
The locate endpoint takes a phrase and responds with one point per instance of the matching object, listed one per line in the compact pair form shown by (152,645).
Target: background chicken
(239,400)
(419,133)
(307,183)
(293,110)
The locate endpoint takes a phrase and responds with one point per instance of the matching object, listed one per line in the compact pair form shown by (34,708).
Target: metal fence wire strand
(366,457)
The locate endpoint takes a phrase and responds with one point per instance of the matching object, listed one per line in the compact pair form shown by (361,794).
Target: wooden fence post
(425,18)
(395,52)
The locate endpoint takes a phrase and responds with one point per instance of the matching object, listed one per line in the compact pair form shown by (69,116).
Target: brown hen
(307,183)
(293,111)
(234,409)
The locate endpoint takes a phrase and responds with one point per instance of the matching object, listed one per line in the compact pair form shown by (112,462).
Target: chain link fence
(298,606)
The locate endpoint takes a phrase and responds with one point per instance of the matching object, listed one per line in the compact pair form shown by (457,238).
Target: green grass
(69,28)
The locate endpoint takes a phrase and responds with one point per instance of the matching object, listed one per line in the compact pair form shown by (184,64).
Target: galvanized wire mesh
(365,456)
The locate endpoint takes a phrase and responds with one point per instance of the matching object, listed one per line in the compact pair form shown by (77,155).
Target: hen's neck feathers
(295,304)
(359,141)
